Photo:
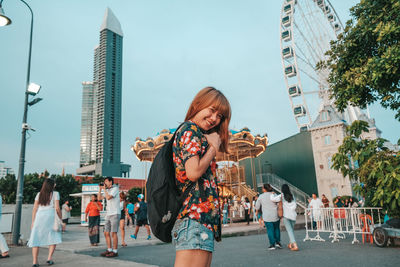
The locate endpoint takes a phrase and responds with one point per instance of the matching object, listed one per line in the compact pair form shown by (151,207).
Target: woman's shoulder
(56,195)
(189,126)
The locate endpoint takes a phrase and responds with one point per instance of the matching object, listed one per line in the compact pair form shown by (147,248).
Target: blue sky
(171,50)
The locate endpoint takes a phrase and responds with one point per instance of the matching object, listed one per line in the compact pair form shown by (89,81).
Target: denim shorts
(190,234)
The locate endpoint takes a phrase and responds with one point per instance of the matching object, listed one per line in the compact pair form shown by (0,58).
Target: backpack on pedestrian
(164,200)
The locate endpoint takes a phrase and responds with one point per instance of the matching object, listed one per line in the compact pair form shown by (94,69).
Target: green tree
(32,185)
(8,186)
(67,185)
(374,167)
(133,193)
(364,61)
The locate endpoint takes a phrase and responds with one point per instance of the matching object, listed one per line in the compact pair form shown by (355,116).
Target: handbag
(280,208)
(57,226)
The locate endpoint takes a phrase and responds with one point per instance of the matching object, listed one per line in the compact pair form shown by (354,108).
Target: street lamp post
(25,127)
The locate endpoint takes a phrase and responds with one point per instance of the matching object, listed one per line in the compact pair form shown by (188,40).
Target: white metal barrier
(341,221)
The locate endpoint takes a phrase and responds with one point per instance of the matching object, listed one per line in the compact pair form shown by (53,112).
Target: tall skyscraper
(101,106)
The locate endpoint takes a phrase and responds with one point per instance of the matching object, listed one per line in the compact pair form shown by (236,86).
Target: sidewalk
(76,240)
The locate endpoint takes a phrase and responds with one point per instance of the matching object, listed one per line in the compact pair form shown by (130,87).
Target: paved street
(251,251)
(243,250)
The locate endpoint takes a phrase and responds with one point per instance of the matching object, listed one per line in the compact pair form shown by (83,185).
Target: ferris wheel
(306,29)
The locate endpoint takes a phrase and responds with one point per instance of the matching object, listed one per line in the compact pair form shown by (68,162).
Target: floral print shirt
(190,141)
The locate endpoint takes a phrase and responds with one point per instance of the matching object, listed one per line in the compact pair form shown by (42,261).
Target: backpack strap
(203,196)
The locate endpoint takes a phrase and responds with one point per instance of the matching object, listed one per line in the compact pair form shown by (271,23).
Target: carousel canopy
(242,145)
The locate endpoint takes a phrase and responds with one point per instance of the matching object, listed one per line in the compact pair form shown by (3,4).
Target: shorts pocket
(179,232)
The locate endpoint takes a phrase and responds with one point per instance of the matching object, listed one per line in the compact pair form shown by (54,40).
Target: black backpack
(164,199)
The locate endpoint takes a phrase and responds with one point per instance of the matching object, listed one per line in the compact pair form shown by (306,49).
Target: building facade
(102,105)
(4,170)
(327,134)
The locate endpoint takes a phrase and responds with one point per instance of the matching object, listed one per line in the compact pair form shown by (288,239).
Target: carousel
(230,175)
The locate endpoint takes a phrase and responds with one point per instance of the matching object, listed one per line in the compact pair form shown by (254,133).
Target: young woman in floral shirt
(204,132)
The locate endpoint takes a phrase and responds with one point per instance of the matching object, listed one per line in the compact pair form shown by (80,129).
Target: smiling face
(208,118)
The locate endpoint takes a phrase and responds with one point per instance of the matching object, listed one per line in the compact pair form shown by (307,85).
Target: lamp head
(33,89)
(4,20)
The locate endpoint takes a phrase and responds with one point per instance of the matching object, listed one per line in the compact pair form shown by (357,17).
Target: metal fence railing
(341,221)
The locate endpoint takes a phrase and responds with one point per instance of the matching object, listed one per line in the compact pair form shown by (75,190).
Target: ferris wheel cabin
(290,71)
(294,91)
(287,9)
(286,21)
(286,36)
(337,27)
(299,111)
(331,18)
(287,52)
(320,3)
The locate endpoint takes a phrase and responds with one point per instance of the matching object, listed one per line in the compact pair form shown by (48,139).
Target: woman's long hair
(287,195)
(210,96)
(122,197)
(46,192)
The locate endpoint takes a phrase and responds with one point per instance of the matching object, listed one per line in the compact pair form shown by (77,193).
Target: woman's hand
(214,139)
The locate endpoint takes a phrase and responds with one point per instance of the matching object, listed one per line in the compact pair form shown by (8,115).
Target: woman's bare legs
(193,258)
(35,253)
(52,248)
(122,227)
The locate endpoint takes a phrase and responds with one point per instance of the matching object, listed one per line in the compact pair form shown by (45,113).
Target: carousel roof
(242,145)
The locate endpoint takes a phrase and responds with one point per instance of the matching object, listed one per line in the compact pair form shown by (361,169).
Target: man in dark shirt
(141,219)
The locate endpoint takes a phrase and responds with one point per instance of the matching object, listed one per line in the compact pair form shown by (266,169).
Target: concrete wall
(26,219)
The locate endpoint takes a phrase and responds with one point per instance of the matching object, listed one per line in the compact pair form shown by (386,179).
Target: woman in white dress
(47,204)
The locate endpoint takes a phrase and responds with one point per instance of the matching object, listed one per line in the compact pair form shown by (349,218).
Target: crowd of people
(50,219)
(235,208)
(316,207)
(198,224)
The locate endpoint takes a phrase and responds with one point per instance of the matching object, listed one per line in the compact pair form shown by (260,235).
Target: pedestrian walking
(3,244)
(122,206)
(93,212)
(289,214)
(270,217)
(247,208)
(197,141)
(253,207)
(225,212)
(113,213)
(45,210)
(131,214)
(141,214)
(66,214)
(316,205)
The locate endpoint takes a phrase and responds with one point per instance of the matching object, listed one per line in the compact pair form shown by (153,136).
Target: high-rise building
(4,170)
(101,106)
